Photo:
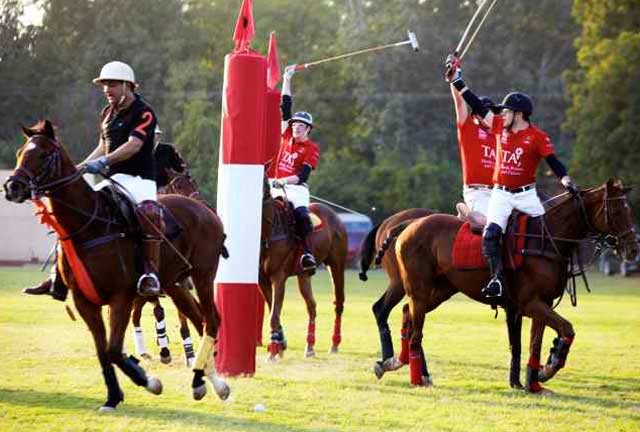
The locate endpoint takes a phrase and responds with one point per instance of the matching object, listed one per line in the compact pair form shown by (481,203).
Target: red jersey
(518,154)
(477,152)
(292,156)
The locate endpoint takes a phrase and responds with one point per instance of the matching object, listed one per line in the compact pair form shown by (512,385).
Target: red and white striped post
(239,201)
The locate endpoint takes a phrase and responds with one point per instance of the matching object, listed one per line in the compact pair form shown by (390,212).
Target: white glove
(289,71)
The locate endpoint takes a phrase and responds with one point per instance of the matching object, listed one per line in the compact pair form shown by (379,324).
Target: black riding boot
(492,252)
(304,228)
(54,286)
(150,217)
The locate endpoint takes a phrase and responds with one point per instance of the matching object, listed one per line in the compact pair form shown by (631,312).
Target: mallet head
(413,40)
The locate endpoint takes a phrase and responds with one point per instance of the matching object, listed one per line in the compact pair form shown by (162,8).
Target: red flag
(273,65)
(245,30)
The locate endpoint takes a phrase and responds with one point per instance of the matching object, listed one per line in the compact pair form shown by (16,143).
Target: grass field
(50,379)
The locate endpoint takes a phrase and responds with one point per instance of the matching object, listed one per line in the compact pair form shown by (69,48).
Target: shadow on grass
(63,401)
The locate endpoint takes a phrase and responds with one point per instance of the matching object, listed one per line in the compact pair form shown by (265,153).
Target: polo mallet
(457,58)
(413,41)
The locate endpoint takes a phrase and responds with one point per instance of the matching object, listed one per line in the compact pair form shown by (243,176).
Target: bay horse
(99,263)
(424,254)
(179,181)
(278,260)
(381,239)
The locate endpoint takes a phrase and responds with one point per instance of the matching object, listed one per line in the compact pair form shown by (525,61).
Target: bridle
(37,185)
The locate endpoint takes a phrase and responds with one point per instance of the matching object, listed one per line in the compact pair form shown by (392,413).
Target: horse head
(613,216)
(42,165)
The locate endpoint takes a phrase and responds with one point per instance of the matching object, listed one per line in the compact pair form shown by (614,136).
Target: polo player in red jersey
(477,153)
(297,157)
(520,146)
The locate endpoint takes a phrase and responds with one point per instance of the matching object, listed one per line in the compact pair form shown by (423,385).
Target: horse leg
(532,384)
(277,343)
(138,334)
(92,316)
(187,343)
(304,285)
(119,312)
(204,364)
(418,372)
(514,328)
(336,268)
(161,332)
(381,310)
(541,311)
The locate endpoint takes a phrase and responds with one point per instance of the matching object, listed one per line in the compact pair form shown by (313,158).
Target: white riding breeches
(297,195)
(477,199)
(139,189)
(502,204)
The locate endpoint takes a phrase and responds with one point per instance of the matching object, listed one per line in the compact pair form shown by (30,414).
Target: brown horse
(278,256)
(106,250)
(180,183)
(424,252)
(382,238)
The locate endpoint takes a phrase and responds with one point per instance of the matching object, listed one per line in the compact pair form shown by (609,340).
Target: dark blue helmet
(302,116)
(517,101)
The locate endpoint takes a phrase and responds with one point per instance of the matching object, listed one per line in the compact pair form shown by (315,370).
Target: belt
(516,190)
(477,186)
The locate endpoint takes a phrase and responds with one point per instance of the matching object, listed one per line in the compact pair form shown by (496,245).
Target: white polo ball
(259,408)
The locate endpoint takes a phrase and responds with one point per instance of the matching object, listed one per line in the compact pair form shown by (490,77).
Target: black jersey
(137,120)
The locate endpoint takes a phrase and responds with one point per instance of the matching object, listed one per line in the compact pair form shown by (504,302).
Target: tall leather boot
(150,217)
(305,228)
(492,252)
(54,286)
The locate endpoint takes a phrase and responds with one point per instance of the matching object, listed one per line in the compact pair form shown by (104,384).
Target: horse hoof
(309,351)
(154,385)
(333,349)
(425,383)
(106,409)
(392,364)
(145,356)
(165,360)
(221,388)
(378,369)
(516,385)
(200,391)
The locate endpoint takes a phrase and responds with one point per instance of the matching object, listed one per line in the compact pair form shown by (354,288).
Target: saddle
(467,246)
(476,220)
(125,210)
(284,227)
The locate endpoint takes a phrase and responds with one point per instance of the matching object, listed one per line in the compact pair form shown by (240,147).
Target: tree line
(385,122)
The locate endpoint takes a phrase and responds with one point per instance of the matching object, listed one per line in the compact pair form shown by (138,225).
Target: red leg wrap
(273,348)
(415,368)
(336,339)
(311,333)
(532,375)
(404,350)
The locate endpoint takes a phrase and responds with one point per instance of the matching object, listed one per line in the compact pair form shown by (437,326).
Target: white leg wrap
(161,332)
(138,341)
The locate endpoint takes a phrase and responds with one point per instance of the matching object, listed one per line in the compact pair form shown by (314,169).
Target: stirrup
(493,288)
(307,262)
(152,289)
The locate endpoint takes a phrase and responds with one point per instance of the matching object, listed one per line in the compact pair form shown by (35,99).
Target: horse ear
(27,132)
(48,129)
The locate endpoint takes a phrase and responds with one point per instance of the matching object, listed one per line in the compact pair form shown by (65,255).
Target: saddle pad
(467,250)
(467,247)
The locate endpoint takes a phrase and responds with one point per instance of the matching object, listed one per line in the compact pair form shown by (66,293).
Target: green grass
(50,378)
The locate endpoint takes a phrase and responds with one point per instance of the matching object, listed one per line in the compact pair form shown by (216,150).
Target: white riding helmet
(116,71)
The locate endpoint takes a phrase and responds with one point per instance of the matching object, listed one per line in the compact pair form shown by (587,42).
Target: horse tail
(224,252)
(366,252)
(391,237)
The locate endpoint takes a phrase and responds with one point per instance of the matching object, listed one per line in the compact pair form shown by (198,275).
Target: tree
(605,93)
